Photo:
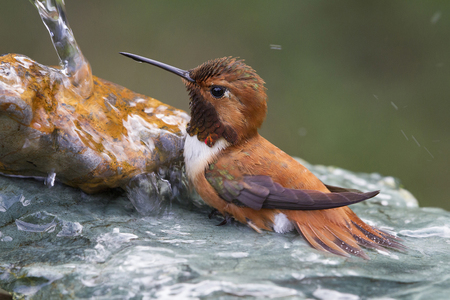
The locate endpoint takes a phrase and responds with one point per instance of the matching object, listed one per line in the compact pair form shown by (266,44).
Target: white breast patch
(198,155)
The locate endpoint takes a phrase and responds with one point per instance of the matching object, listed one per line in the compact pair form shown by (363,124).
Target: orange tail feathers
(340,231)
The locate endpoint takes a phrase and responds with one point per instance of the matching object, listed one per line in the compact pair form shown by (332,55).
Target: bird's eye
(218,91)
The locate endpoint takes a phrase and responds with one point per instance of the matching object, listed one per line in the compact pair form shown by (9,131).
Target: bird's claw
(226,220)
(215,212)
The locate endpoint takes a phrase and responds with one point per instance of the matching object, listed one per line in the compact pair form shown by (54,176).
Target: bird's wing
(337,189)
(260,191)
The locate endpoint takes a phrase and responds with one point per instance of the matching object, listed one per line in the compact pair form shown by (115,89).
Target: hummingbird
(245,177)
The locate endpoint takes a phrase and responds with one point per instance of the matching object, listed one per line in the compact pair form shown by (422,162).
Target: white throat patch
(197,155)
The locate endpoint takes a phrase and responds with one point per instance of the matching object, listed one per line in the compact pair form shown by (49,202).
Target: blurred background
(355,84)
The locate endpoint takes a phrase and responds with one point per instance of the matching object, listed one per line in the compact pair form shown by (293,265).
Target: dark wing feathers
(260,191)
(337,189)
(248,199)
(249,194)
(233,188)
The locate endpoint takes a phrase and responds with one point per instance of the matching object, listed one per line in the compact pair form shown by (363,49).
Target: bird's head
(227,99)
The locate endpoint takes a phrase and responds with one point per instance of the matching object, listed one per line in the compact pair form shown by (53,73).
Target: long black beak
(182,73)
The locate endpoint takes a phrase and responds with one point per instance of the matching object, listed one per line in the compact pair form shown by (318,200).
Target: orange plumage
(245,177)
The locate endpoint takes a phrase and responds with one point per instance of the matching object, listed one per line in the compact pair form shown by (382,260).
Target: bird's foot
(215,212)
(226,220)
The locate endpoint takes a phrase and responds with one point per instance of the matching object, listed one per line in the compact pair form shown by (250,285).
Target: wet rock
(66,244)
(65,124)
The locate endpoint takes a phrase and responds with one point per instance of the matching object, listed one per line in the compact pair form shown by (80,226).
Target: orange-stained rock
(92,142)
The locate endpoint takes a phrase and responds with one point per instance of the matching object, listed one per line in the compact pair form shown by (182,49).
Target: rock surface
(60,243)
(65,122)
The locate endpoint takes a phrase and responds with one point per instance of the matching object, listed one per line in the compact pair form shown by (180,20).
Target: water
(8,198)
(74,64)
(66,243)
(37,222)
(42,221)
(64,124)
(60,242)
(154,193)
(50,180)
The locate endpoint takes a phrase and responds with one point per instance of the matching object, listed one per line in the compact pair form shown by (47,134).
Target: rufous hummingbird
(245,177)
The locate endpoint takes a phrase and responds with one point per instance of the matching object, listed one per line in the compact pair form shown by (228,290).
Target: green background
(362,85)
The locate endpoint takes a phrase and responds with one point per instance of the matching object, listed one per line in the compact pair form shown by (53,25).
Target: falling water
(73,63)
(50,180)
(150,193)
(153,193)
(117,138)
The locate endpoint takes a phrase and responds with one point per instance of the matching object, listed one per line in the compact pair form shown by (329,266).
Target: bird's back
(258,156)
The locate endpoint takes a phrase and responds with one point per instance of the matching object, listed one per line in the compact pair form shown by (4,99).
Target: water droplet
(37,222)
(70,229)
(275,47)
(302,131)
(428,152)
(24,201)
(435,17)
(404,135)
(7,200)
(7,239)
(415,140)
(50,180)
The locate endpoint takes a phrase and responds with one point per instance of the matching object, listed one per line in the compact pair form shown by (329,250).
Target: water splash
(9,199)
(432,156)
(406,137)
(394,105)
(149,193)
(25,202)
(43,221)
(153,193)
(275,47)
(219,289)
(440,231)
(107,242)
(70,229)
(37,222)
(415,140)
(435,17)
(50,180)
(74,64)
(5,238)
(182,254)
(49,127)
(325,294)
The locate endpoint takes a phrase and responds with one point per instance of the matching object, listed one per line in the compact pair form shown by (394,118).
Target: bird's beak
(182,73)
